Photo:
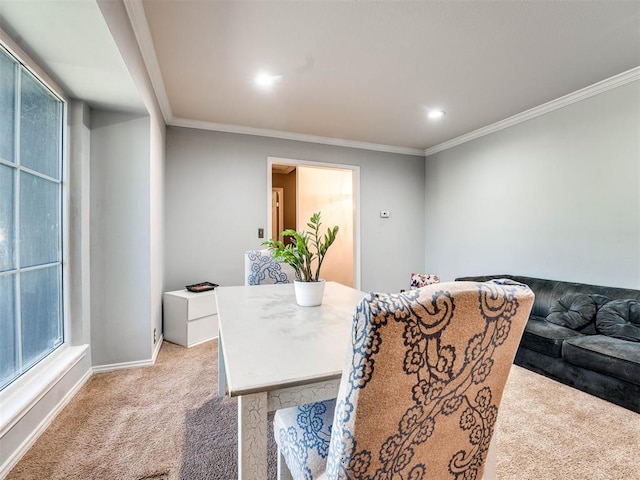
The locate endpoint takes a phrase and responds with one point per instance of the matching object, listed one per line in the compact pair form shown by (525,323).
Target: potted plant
(305,254)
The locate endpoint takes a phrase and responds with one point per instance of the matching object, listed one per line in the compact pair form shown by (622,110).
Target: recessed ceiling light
(435,113)
(266,80)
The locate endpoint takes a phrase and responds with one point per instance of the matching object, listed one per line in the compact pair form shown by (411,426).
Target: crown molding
(590,91)
(138,19)
(300,137)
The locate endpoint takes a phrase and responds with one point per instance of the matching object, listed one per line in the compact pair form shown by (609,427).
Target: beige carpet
(547,430)
(165,423)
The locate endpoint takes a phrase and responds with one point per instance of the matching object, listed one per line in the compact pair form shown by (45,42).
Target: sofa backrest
(549,291)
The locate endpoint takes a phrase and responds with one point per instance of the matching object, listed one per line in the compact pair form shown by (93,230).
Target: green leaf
(299,253)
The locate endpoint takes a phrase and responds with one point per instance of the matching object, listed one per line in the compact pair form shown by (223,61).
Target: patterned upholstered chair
(419,280)
(420,391)
(261,268)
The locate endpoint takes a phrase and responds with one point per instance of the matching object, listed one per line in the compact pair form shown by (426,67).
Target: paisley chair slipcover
(260,268)
(419,280)
(420,390)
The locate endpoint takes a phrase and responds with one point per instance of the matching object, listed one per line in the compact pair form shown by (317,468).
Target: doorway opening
(332,189)
(283,200)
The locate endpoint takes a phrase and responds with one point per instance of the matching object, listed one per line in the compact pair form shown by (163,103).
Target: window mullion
(63,322)
(16,219)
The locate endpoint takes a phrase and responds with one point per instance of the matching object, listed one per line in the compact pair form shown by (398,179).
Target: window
(31,316)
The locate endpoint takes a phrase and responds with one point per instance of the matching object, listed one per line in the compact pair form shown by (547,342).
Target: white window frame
(25,391)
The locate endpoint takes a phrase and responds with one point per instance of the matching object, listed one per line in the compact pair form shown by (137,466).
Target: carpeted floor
(166,423)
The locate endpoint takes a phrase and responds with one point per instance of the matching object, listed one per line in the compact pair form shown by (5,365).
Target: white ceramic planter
(309,294)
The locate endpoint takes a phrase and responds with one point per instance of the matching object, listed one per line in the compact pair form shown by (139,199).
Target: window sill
(17,399)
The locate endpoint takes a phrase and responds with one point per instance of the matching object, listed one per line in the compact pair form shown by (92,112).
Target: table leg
(252,437)
(222,373)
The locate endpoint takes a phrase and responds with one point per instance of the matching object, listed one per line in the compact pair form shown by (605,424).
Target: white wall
(216,201)
(555,197)
(120,238)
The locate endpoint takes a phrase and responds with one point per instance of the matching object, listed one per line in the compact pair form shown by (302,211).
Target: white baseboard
(157,349)
(124,365)
(203,341)
(44,424)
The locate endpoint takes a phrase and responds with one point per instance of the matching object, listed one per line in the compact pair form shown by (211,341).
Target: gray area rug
(210,449)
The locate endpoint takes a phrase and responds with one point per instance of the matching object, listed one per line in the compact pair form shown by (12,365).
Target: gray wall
(216,200)
(120,238)
(79,261)
(555,197)
(156,214)
(117,19)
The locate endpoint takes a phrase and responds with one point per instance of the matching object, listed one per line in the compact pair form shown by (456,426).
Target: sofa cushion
(574,311)
(620,319)
(545,337)
(607,355)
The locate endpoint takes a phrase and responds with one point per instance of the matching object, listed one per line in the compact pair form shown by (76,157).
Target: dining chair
(420,389)
(260,268)
(419,280)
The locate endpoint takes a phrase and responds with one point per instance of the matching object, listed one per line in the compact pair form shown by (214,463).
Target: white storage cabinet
(190,318)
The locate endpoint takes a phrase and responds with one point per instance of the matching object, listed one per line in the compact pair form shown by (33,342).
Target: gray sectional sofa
(585,336)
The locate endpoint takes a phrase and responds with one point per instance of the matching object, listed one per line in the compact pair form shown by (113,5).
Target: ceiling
(367,71)
(359,73)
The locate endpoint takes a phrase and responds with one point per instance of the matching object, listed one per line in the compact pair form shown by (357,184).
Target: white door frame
(356,199)
(280,191)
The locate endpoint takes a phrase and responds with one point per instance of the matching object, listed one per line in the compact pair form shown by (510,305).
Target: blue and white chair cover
(420,391)
(260,268)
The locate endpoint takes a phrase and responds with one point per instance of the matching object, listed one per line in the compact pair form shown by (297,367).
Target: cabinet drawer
(202,329)
(201,306)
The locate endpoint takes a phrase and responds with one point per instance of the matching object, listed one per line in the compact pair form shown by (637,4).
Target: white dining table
(275,354)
